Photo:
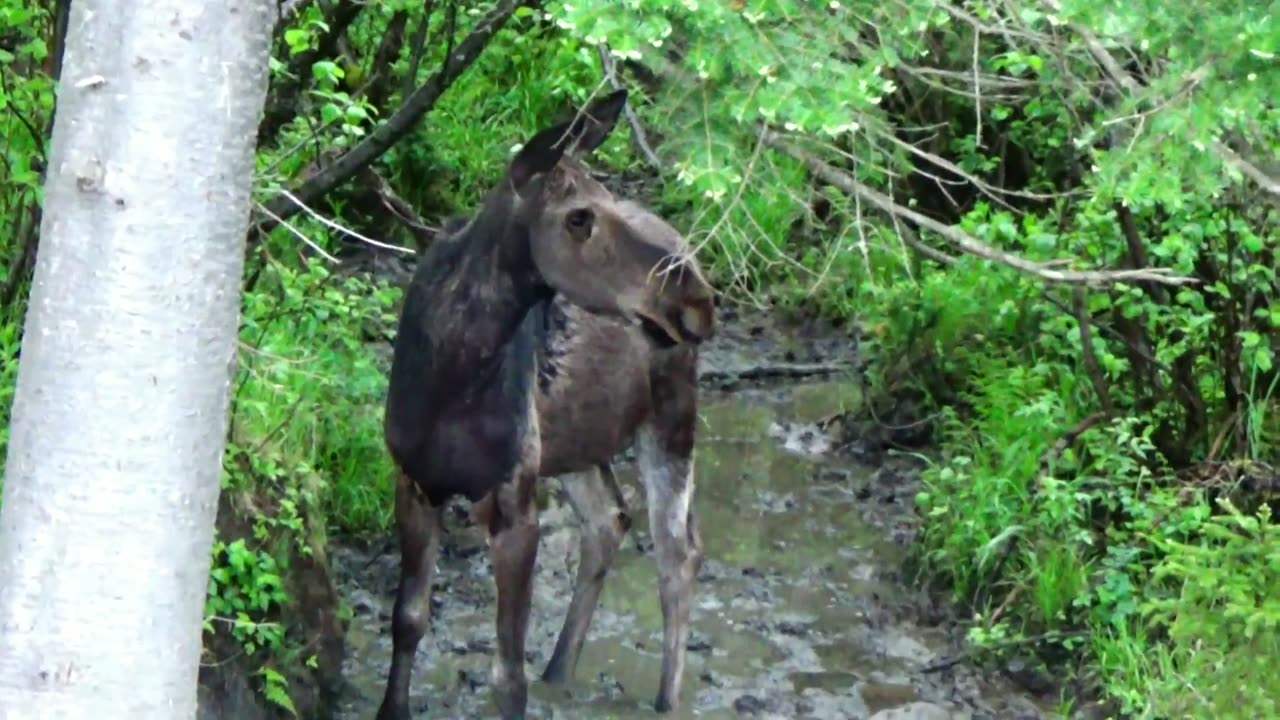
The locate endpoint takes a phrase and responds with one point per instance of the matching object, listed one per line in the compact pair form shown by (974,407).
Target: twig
(399,207)
(637,131)
(298,233)
(345,230)
(963,240)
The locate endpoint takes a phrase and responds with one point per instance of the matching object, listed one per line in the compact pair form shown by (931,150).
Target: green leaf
(297,40)
(326,70)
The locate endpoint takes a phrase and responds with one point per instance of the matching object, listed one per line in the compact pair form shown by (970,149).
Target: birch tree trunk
(120,414)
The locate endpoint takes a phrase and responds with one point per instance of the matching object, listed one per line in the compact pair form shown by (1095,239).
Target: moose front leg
(513,550)
(419,525)
(667,474)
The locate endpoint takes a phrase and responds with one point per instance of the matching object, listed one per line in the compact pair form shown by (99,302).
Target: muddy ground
(802,608)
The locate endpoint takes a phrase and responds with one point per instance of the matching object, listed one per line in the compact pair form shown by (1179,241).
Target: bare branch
(637,131)
(1248,169)
(418,46)
(1093,368)
(296,232)
(963,240)
(400,208)
(985,188)
(342,229)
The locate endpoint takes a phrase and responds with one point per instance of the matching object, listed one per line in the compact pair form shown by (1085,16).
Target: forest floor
(804,608)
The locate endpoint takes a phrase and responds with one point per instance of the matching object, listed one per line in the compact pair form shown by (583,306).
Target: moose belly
(586,423)
(467,453)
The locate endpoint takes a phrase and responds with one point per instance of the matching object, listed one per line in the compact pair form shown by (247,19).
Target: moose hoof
(511,700)
(393,711)
(556,673)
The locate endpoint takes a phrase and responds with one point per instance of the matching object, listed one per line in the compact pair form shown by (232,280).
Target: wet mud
(802,608)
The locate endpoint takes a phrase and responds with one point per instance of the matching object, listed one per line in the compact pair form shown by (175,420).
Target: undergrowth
(1067,532)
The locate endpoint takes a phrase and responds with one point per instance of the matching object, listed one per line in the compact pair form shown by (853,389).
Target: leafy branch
(421,102)
(965,241)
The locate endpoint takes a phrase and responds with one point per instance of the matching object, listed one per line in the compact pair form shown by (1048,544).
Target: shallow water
(800,611)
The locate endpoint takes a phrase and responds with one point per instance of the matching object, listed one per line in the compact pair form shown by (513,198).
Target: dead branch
(1092,367)
(343,229)
(971,652)
(985,188)
(377,88)
(909,237)
(399,208)
(418,46)
(1248,169)
(791,371)
(401,122)
(963,240)
(637,131)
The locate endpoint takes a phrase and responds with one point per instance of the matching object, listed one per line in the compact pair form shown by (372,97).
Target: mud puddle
(801,611)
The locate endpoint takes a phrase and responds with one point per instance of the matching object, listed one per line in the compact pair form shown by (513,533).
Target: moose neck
(493,286)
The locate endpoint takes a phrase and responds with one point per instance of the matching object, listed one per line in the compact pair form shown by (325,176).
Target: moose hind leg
(419,525)
(513,550)
(602,523)
(667,474)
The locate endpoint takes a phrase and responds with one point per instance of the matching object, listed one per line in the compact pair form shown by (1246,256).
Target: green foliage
(245,588)
(1223,613)
(8,383)
(305,451)
(309,391)
(275,688)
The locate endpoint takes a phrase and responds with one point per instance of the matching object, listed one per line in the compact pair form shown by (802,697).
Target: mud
(802,607)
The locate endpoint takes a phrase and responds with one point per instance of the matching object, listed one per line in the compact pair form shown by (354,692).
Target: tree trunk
(120,412)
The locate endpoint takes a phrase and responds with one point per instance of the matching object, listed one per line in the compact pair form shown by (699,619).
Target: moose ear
(582,135)
(599,120)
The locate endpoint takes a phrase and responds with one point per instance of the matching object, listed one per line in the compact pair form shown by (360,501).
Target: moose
(539,338)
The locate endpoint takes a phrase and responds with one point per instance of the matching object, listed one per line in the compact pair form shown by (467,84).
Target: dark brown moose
(540,338)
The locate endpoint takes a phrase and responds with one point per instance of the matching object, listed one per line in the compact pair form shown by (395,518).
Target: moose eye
(579,221)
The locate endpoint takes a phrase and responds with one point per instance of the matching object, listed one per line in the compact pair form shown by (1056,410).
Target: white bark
(120,415)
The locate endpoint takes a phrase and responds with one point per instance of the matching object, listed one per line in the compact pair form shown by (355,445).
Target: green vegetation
(932,171)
